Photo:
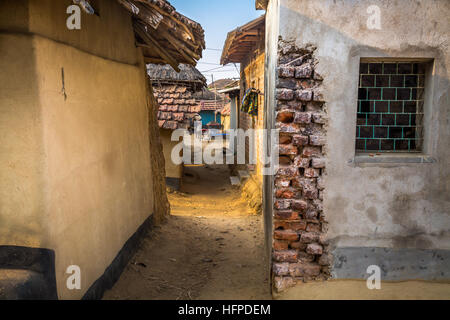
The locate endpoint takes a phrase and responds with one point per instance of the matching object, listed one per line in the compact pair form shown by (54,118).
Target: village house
(245,45)
(229,113)
(82,169)
(360,94)
(178,107)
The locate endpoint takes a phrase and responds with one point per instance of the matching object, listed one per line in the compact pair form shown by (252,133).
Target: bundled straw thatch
(166,36)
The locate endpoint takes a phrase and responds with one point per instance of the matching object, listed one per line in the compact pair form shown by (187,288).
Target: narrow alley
(212,246)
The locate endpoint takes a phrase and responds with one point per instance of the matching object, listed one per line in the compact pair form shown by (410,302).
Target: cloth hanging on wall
(250,102)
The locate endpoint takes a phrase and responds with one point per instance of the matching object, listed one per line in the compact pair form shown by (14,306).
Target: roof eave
(261,4)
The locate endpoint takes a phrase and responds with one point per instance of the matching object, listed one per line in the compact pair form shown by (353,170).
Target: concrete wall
(396,206)
(76,158)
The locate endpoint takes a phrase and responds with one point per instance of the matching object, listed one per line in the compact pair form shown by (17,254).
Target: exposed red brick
(280,245)
(285,94)
(300,205)
(284,161)
(317,140)
(281,269)
(285,139)
(325,260)
(311,173)
(302,117)
(314,248)
(285,116)
(286,72)
(311,151)
(303,71)
(283,283)
(299,220)
(308,237)
(318,163)
(287,193)
(302,162)
(303,95)
(297,245)
(313,227)
(299,140)
(286,235)
(288,127)
(304,269)
(285,255)
(287,171)
(282,204)
(287,149)
(286,215)
(282,183)
(318,118)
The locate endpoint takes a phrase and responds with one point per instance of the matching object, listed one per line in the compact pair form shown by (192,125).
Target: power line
(218,71)
(217,68)
(213,64)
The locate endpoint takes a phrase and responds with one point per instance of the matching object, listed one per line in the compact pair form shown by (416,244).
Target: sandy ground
(211,247)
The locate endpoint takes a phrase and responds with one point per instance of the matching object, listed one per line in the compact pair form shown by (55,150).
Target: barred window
(390,107)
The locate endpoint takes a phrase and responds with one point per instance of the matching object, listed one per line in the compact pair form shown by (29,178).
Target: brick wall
(300,251)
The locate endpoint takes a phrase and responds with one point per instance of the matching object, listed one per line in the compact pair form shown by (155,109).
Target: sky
(217,18)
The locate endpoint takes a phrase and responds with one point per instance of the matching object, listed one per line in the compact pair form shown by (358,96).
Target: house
(81,163)
(175,93)
(231,110)
(245,45)
(359,93)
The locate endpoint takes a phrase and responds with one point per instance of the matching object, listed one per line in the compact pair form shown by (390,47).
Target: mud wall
(174,172)
(76,163)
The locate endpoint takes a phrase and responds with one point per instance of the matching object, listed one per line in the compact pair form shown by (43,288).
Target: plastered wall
(397,206)
(75,142)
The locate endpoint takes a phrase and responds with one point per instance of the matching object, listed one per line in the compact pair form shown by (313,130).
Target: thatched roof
(242,40)
(207,94)
(166,36)
(165,73)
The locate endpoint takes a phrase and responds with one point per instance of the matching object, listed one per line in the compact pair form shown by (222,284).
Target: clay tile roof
(212,105)
(174,92)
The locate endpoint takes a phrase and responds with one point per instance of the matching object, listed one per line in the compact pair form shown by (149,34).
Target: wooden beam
(153,44)
(155,7)
(187,53)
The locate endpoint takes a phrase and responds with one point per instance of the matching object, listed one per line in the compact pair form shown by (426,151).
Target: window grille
(390,107)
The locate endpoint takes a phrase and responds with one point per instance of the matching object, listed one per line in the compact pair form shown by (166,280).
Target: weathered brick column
(299,245)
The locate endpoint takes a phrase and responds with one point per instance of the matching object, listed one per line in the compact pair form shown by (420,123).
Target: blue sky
(217,18)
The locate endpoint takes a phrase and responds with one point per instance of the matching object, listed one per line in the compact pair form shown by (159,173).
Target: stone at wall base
(27,273)
(174,183)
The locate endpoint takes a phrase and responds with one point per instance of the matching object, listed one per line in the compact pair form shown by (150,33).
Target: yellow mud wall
(21,151)
(77,163)
(225,122)
(172,170)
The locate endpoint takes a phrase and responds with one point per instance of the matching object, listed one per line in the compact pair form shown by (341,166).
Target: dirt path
(211,247)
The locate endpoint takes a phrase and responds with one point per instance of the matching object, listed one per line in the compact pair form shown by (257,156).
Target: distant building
(175,93)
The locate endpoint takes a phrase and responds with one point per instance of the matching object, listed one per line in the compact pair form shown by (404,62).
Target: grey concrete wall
(399,204)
